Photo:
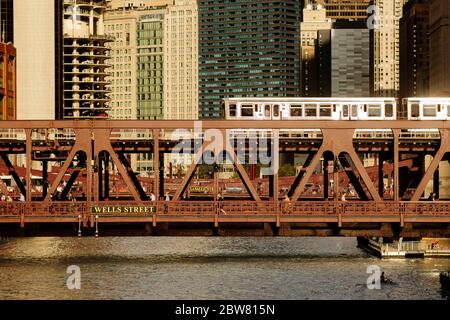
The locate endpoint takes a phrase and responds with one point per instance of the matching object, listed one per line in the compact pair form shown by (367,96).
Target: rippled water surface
(208,268)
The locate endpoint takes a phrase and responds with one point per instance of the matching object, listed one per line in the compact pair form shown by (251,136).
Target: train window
(296,110)
(267,111)
(415,110)
(276,110)
(365,108)
(325,110)
(439,107)
(345,110)
(389,110)
(429,110)
(374,110)
(354,110)
(334,107)
(232,110)
(256,108)
(448,110)
(247,110)
(310,110)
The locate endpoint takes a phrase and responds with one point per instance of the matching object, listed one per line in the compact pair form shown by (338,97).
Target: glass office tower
(247,48)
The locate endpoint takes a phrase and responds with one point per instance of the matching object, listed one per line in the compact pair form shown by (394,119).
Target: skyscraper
(150,64)
(353,10)
(414,50)
(247,48)
(439,48)
(86,93)
(7,82)
(155,62)
(386,48)
(313,25)
(6,21)
(7,62)
(350,59)
(155,59)
(36,41)
(181,61)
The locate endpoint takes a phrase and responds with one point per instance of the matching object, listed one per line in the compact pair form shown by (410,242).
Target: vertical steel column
(96,178)
(436,183)
(161,176)
(275,145)
(381,159)
(44,178)
(99,196)
(326,180)
(89,159)
(396,164)
(216,184)
(29,146)
(106,180)
(156,171)
(336,178)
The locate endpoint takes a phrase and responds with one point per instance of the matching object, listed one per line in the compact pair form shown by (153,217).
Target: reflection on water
(208,268)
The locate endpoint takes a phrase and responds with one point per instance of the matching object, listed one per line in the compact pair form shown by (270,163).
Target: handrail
(299,208)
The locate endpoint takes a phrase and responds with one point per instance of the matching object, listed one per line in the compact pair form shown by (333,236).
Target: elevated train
(336,109)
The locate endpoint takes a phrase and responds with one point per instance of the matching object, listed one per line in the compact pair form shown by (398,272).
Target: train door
(267,112)
(345,114)
(354,112)
(276,112)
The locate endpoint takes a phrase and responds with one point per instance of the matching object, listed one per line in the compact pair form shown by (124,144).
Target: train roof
(428,99)
(296,99)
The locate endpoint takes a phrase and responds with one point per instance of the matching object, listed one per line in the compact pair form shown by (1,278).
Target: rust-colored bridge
(349,178)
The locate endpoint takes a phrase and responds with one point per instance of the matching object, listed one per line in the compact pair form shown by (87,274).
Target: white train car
(310,108)
(427,108)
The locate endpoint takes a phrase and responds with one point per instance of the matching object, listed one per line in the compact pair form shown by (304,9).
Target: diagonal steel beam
(301,174)
(350,169)
(132,176)
(244,176)
(103,143)
(82,144)
(14,174)
(190,174)
(61,174)
(73,178)
(444,148)
(308,173)
(364,175)
(227,147)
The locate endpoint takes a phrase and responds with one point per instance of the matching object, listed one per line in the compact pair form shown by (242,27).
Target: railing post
(340,210)
(278,213)
(216,220)
(79,225)
(22,215)
(154,217)
(402,210)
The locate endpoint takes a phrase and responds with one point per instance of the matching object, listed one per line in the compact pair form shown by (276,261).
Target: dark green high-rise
(247,48)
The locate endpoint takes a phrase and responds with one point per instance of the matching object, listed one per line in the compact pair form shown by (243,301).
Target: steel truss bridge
(83,164)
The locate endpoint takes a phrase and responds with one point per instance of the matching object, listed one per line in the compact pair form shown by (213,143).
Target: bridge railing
(180,208)
(11,208)
(56,209)
(308,208)
(434,208)
(355,208)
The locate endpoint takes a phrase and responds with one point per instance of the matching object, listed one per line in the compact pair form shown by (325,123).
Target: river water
(208,268)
